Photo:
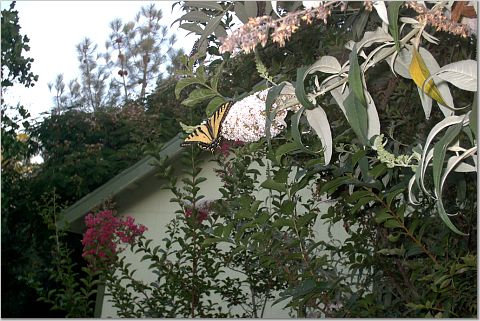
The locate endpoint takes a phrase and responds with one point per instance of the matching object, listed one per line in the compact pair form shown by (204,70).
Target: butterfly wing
(201,135)
(216,120)
(207,134)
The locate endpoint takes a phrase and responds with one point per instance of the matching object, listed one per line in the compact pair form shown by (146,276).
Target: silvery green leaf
(209,29)
(372,114)
(220,31)
(338,95)
(317,118)
(464,167)
(444,216)
(442,86)
(452,163)
(401,64)
(197,16)
(311,4)
(411,196)
(408,20)
(288,89)
(462,74)
(204,4)
(274,7)
(378,54)
(371,37)
(349,45)
(428,153)
(381,10)
(240,12)
(251,8)
(426,103)
(192,27)
(430,38)
(326,64)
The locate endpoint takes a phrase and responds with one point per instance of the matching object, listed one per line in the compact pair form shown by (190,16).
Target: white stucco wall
(150,205)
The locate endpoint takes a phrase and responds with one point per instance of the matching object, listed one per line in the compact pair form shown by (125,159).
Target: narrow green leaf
(240,11)
(439,152)
(192,27)
(297,138)
(212,240)
(357,117)
(214,104)
(251,8)
(355,103)
(182,83)
(204,4)
(382,216)
(361,202)
(356,196)
(360,24)
(283,222)
(216,76)
(281,175)
(363,164)
(271,184)
(300,185)
(392,10)
(197,16)
(391,195)
(378,170)
(330,186)
(392,223)
(444,216)
(287,207)
(285,149)
(271,96)
(300,88)
(355,76)
(317,118)
(413,249)
(255,205)
(198,95)
(393,237)
(209,29)
(220,32)
(399,252)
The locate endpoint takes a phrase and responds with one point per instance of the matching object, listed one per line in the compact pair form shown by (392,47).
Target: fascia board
(117,184)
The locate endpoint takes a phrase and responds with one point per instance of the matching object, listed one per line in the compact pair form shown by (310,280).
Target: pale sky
(56,27)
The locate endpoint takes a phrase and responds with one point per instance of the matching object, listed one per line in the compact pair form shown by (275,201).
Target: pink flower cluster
(226,145)
(439,20)
(256,30)
(202,212)
(105,233)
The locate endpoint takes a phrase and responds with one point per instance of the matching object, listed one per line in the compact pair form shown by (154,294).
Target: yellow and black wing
(207,134)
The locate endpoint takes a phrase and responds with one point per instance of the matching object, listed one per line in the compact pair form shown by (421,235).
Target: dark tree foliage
(14,65)
(81,151)
(23,236)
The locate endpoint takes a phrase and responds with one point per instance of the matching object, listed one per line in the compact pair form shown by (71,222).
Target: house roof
(74,214)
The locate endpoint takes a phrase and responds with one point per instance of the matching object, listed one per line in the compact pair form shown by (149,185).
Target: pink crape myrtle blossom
(225,146)
(105,236)
(202,211)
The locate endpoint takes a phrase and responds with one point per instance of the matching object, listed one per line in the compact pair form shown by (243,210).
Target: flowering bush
(201,213)
(380,85)
(104,234)
(246,119)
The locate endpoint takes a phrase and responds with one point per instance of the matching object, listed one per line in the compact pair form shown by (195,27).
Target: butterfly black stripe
(207,134)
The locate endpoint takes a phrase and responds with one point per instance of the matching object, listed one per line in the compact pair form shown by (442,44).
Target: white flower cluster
(246,119)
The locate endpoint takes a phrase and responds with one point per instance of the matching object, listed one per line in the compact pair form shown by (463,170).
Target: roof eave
(72,215)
